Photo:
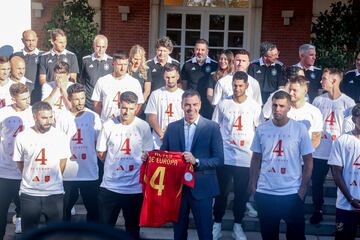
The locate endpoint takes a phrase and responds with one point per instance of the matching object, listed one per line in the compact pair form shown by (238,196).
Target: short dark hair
(4,59)
(242,51)
(300,80)
(164,42)
(61,67)
(190,93)
(281,95)
(355,112)
(334,71)
(75,88)
(265,47)
(240,75)
(41,106)
(120,54)
(129,97)
(57,32)
(202,41)
(18,88)
(168,67)
(292,71)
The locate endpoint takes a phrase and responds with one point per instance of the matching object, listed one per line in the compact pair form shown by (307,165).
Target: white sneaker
(73,211)
(18,225)
(216,232)
(238,233)
(251,212)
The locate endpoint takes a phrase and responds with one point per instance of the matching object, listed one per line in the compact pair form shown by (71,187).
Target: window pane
(189,52)
(176,53)
(216,39)
(173,2)
(217,22)
(191,37)
(236,22)
(175,36)
(214,53)
(238,3)
(235,39)
(193,21)
(173,21)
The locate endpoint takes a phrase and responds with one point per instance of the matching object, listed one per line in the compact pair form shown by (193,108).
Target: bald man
(95,65)
(17,73)
(30,53)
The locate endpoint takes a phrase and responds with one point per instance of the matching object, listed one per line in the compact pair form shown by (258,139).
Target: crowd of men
(268,129)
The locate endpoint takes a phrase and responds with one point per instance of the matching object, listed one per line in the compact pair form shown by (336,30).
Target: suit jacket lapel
(182,135)
(197,131)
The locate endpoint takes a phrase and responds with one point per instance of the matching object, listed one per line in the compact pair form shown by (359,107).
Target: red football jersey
(162,176)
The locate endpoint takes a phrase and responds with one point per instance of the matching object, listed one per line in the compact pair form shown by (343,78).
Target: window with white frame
(223,23)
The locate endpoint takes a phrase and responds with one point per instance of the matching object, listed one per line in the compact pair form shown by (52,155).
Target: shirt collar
(311,68)
(207,60)
(261,61)
(104,58)
(62,53)
(195,122)
(169,60)
(36,51)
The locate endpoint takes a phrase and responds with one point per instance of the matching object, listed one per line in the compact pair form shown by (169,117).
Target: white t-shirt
(309,115)
(223,89)
(282,149)
(5,97)
(11,124)
(333,118)
(346,154)
(348,125)
(108,90)
(83,162)
(46,90)
(124,145)
(167,108)
(237,125)
(41,153)
(64,121)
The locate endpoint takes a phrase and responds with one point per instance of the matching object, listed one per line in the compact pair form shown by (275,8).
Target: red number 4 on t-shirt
(125,147)
(41,157)
(278,149)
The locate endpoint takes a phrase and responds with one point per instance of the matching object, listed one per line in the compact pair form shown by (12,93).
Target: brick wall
(37,24)
(287,38)
(124,34)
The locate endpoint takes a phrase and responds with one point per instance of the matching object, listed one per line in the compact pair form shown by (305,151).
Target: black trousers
(32,207)
(110,205)
(240,177)
(320,171)
(347,223)
(89,191)
(273,208)
(9,189)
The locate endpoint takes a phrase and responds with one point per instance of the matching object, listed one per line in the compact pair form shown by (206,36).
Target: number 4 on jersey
(278,149)
(330,119)
(125,147)
(237,124)
(169,110)
(77,137)
(159,172)
(41,157)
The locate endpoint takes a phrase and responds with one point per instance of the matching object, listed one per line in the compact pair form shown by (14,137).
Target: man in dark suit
(200,141)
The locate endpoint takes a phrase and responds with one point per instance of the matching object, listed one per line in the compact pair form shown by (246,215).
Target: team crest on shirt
(188,176)
(36,60)
(50,61)
(258,71)
(351,81)
(312,75)
(193,69)
(273,72)
(106,66)
(208,69)
(65,60)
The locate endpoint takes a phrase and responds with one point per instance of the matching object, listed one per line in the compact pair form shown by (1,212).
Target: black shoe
(316,218)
